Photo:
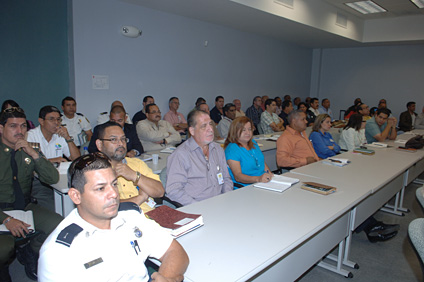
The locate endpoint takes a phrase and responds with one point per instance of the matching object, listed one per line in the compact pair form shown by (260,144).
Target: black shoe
(4,274)
(382,228)
(381,237)
(27,257)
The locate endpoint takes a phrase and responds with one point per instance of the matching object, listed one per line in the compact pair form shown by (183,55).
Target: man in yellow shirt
(136,181)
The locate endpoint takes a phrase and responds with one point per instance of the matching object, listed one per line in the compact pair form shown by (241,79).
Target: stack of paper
(278,183)
(336,161)
(168,150)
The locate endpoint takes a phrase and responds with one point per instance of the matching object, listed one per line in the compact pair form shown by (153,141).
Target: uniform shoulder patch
(127,206)
(104,113)
(67,235)
(80,114)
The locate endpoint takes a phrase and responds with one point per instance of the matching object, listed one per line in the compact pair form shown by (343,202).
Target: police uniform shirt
(57,147)
(75,126)
(104,117)
(79,251)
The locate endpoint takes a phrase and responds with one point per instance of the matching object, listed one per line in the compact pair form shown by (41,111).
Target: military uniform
(45,221)
(79,251)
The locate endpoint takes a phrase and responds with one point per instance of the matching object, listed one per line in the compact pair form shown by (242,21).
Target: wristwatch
(137,178)
(69,140)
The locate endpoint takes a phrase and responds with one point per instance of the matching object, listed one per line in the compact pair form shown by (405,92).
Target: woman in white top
(353,134)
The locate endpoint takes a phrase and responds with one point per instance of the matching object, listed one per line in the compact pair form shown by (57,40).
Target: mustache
(19,135)
(111,203)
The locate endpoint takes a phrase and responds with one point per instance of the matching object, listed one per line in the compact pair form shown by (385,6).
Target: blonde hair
(318,121)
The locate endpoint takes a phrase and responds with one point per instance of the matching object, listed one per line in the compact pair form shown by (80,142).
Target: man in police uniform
(18,163)
(103,240)
(76,123)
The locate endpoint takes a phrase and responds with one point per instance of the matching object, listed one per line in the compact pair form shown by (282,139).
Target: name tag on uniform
(93,263)
(220,178)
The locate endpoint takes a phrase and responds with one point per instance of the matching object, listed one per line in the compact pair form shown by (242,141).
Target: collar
(192,145)
(290,130)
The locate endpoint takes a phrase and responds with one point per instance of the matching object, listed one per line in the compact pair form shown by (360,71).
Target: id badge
(150,202)
(220,178)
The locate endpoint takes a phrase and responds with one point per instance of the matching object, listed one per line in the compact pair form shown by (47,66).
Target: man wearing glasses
(136,181)
(54,139)
(154,133)
(103,240)
(18,163)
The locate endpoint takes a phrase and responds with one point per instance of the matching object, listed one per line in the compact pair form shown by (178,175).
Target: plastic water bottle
(86,151)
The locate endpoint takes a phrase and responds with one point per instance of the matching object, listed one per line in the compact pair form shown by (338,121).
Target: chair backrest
(260,130)
(420,197)
(416,234)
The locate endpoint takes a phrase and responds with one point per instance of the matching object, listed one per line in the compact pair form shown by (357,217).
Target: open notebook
(25,216)
(278,183)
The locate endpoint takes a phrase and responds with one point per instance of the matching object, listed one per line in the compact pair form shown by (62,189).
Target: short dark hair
(227,107)
(302,103)
(285,104)
(269,102)
(313,100)
(67,98)
(323,100)
(373,110)
(76,171)
(47,110)
(358,107)
(172,98)
(9,102)
(384,111)
(410,104)
(149,106)
(218,97)
(198,106)
(256,97)
(14,112)
(191,118)
(199,101)
(117,110)
(101,128)
(147,97)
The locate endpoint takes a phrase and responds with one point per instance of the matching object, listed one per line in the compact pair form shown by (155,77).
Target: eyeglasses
(86,160)
(154,112)
(116,140)
(13,109)
(52,119)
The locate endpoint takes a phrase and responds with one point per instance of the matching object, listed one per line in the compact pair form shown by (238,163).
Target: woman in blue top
(322,140)
(244,158)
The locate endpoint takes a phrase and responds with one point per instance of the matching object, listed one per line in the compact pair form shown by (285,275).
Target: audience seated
(154,133)
(239,111)
(217,112)
(264,98)
(244,157)
(104,117)
(118,115)
(136,181)
(293,146)
(286,108)
(419,120)
(382,104)
(321,138)
(19,162)
(54,139)
(287,97)
(381,127)
(225,122)
(74,122)
(310,117)
(352,109)
(296,101)
(254,113)
(141,115)
(353,134)
(325,108)
(93,242)
(270,122)
(199,101)
(12,104)
(313,107)
(205,108)
(197,169)
(407,118)
(176,119)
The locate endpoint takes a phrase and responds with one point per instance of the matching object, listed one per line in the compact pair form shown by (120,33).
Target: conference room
(237,49)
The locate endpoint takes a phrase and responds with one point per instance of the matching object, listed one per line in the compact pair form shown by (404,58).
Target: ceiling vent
(341,20)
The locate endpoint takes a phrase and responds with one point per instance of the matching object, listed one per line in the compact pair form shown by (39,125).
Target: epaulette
(127,206)
(104,113)
(80,114)
(67,235)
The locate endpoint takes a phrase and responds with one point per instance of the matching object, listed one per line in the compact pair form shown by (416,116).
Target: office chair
(420,197)
(416,234)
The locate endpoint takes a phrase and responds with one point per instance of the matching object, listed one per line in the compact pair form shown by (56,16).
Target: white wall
(170,59)
(395,73)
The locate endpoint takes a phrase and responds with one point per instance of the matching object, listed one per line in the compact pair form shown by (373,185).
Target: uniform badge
(6,149)
(137,232)
(27,161)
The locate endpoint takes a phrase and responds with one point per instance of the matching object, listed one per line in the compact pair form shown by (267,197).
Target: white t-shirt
(57,147)
(75,126)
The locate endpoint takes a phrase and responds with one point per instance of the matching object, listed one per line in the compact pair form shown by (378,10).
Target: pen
(133,245)
(335,161)
(136,245)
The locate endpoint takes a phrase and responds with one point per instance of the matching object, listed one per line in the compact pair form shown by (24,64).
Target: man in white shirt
(239,111)
(104,240)
(104,117)
(154,133)
(325,108)
(76,123)
(227,119)
(175,118)
(54,139)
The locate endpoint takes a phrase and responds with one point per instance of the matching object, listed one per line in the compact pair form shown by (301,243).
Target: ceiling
(244,18)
